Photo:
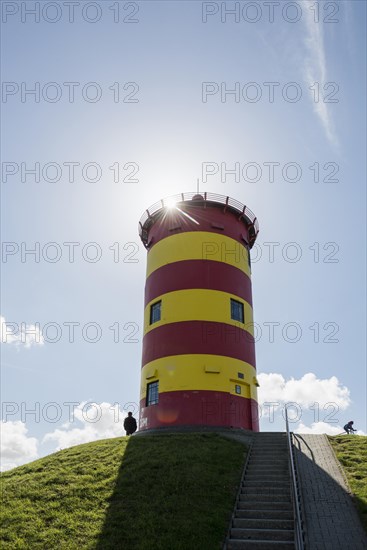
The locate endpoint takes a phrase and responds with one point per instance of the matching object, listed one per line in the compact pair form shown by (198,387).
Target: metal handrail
(299,544)
(211,198)
(238,493)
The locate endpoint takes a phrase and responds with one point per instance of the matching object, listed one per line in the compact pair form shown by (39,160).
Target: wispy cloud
(315,70)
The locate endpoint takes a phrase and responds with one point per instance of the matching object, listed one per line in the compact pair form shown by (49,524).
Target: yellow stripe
(200,372)
(198,245)
(198,304)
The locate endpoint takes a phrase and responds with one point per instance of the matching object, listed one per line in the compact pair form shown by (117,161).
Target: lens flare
(170,203)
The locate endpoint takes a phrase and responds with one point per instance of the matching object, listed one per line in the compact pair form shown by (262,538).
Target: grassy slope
(154,492)
(351,451)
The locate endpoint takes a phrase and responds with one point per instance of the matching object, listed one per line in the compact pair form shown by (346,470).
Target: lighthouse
(198,358)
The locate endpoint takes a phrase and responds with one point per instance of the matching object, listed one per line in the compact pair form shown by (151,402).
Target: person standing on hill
(349,427)
(130,424)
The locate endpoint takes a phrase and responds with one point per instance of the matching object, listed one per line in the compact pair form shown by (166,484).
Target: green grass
(162,492)
(351,451)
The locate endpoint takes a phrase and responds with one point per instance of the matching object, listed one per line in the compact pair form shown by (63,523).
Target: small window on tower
(237,313)
(152,393)
(155,312)
(237,389)
(240,375)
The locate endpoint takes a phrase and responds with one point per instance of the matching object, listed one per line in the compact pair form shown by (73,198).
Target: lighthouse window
(155,312)
(237,389)
(237,313)
(152,393)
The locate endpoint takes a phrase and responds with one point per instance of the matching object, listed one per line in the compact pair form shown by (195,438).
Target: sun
(170,203)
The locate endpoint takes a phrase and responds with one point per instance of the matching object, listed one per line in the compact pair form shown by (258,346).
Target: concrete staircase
(263,515)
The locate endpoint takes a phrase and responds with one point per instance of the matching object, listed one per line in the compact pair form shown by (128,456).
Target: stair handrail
(249,450)
(299,544)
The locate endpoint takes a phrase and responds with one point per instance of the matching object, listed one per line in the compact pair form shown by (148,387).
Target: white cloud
(94,421)
(20,333)
(98,421)
(315,71)
(305,391)
(16,447)
(322,428)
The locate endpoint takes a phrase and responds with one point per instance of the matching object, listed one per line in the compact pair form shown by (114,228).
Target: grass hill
(351,451)
(156,492)
(153,492)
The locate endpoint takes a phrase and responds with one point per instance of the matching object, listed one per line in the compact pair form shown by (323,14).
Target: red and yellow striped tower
(198,366)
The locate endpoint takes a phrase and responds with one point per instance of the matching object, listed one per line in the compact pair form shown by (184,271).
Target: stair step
(262,534)
(268,464)
(266,476)
(270,445)
(271,454)
(263,457)
(263,462)
(259,458)
(267,470)
(268,490)
(276,436)
(270,449)
(273,464)
(275,450)
(268,440)
(275,481)
(261,497)
(280,469)
(263,523)
(268,467)
(264,514)
(233,544)
(266,505)
(262,482)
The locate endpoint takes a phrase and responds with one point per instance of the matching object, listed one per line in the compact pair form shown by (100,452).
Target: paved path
(330,515)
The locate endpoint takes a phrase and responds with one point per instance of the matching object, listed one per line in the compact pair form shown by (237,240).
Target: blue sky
(173,123)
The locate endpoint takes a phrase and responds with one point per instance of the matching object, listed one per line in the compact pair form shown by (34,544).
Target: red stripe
(200,408)
(206,274)
(208,218)
(197,337)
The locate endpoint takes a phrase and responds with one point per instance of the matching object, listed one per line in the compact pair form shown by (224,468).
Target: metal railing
(243,475)
(298,531)
(207,198)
